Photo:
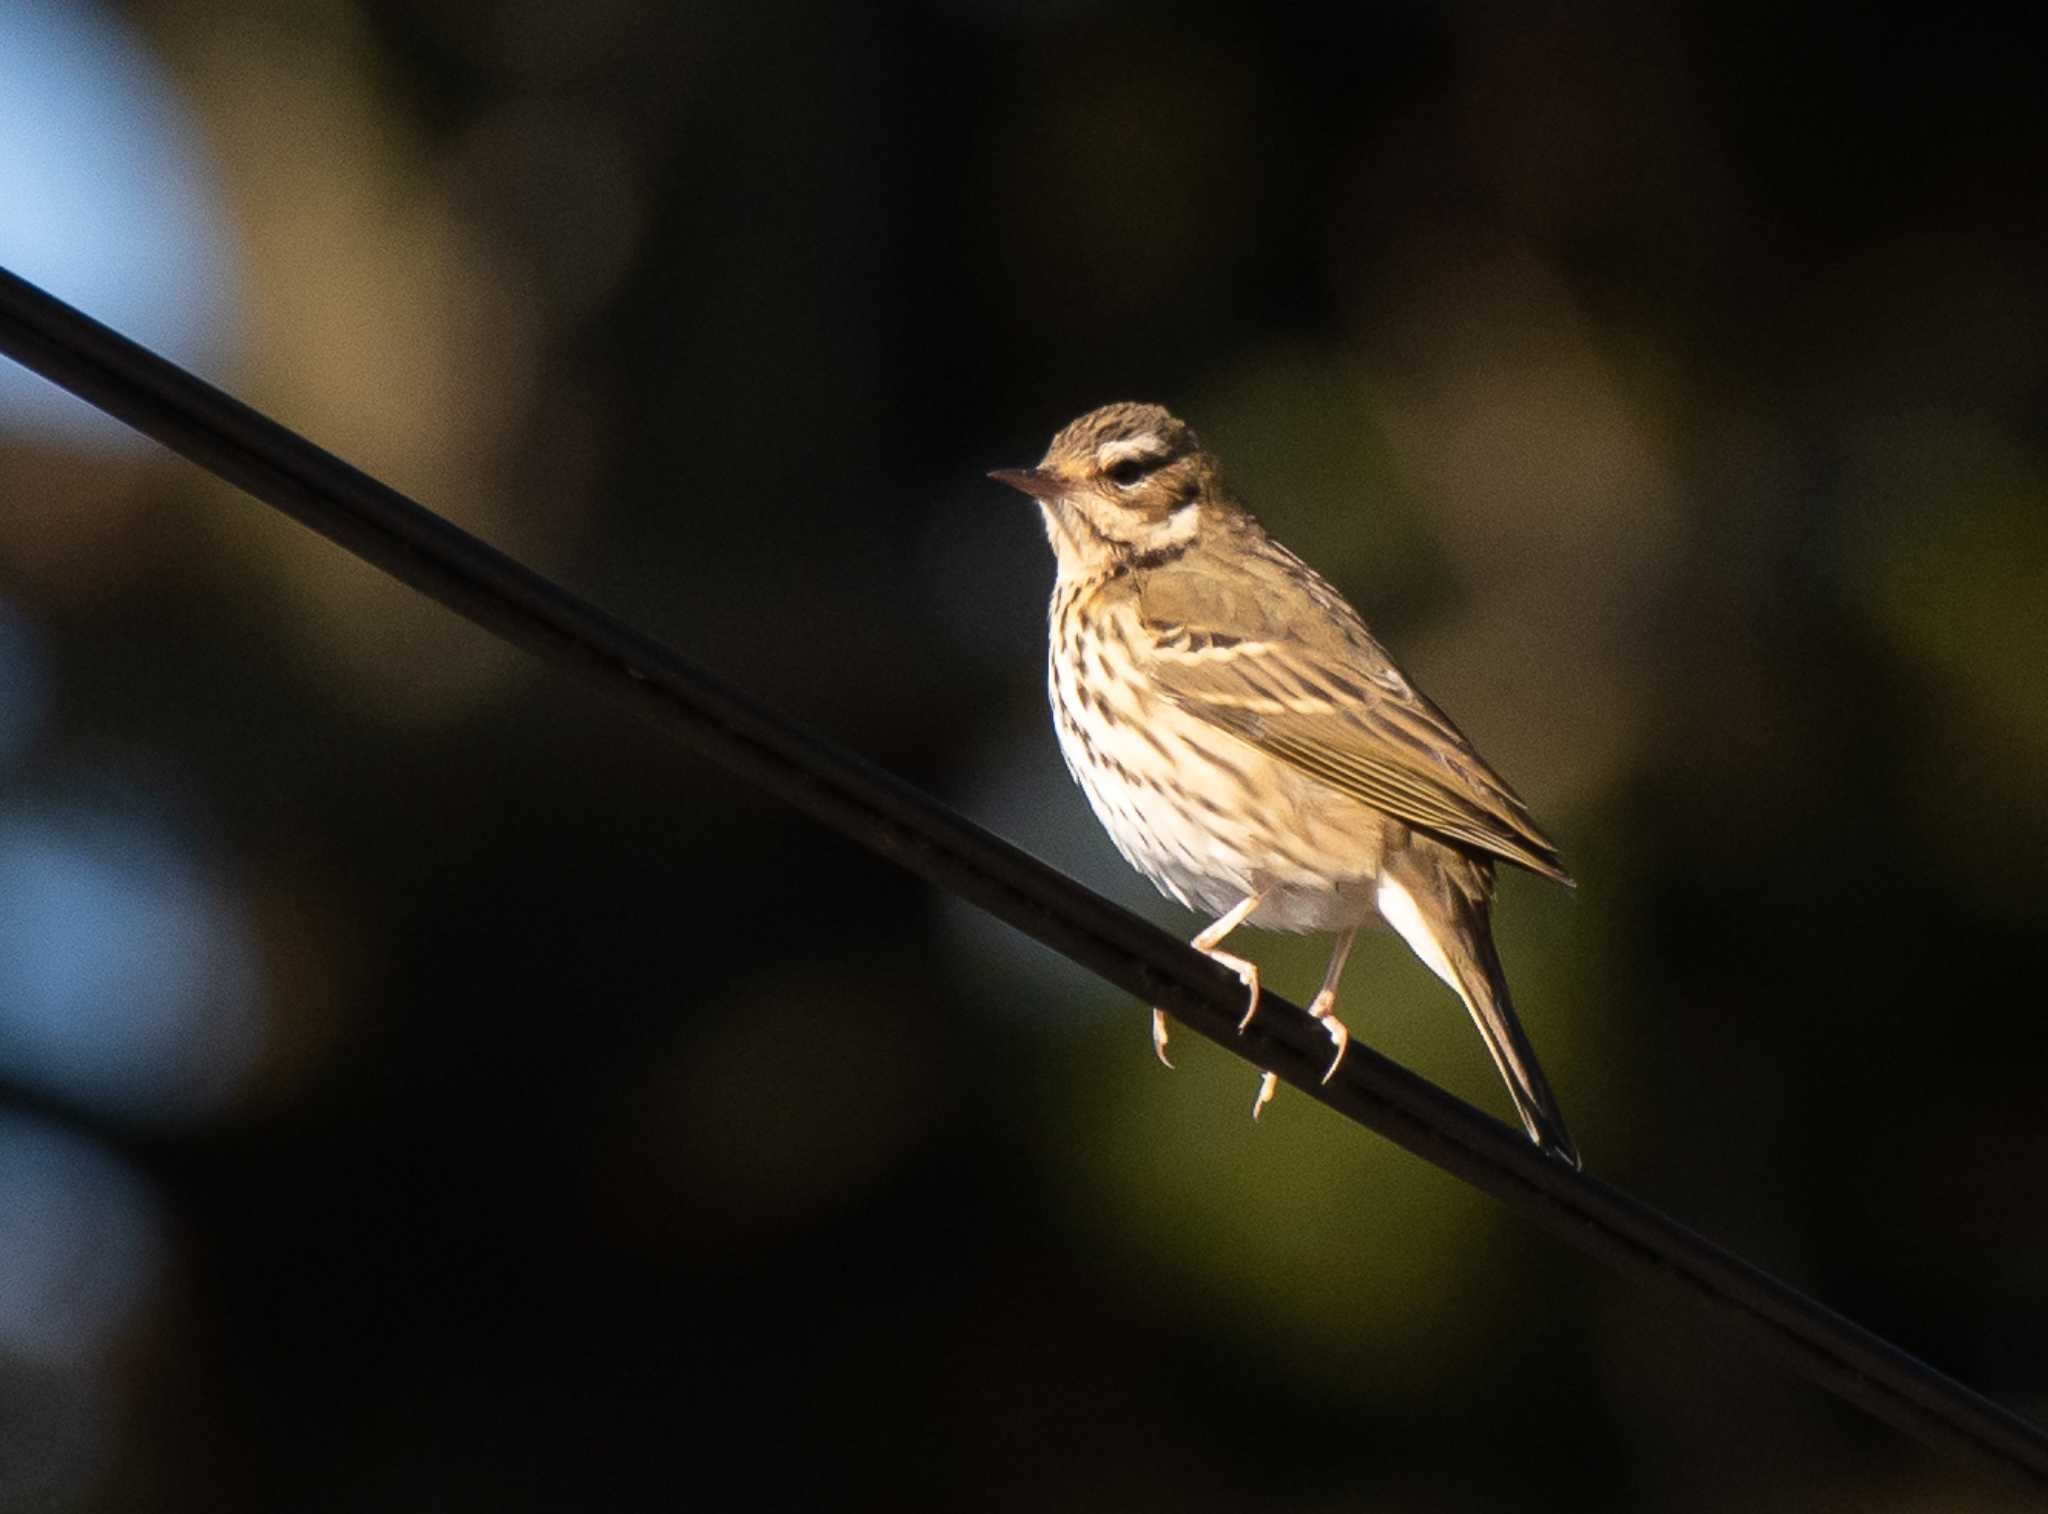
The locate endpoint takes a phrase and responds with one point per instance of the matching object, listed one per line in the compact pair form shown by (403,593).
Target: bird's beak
(1035,482)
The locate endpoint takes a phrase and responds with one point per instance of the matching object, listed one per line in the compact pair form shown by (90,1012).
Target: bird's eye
(1126,471)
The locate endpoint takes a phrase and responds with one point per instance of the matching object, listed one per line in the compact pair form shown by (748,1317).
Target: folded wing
(1332,704)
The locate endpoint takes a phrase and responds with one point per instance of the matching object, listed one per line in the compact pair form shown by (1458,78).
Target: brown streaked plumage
(1251,748)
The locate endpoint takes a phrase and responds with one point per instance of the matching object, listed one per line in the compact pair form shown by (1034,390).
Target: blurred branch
(388,530)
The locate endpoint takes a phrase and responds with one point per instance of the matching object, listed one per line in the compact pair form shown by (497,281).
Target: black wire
(386,529)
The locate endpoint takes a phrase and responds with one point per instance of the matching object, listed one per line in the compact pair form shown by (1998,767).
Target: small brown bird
(1252,749)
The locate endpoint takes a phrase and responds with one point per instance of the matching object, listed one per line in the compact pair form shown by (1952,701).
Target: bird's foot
(1339,1033)
(1246,970)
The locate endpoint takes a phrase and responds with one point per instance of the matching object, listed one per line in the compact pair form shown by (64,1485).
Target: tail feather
(1484,988)
(1447,921)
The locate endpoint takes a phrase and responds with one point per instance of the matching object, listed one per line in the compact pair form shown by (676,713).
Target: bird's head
(1121,484)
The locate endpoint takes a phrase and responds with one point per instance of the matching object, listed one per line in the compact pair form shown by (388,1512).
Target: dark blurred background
(426,1089)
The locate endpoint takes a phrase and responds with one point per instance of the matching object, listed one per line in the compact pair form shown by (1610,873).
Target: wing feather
(1336,708)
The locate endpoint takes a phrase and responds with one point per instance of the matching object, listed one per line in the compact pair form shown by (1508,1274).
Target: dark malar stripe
(1158,557)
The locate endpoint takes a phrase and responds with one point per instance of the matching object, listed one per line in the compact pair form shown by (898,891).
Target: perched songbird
(1249,745)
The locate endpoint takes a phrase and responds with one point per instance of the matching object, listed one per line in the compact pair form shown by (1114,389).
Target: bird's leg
(1320,1006)
(1205,943)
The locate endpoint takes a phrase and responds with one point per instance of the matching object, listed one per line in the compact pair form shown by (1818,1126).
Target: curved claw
(1267,1083)
(1159,1037)
(1247,973)
(1342,1036)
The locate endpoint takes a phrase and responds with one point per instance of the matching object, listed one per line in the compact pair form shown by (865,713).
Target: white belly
(1209,818)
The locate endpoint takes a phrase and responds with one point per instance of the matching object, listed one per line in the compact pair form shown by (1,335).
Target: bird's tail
(1447,922)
